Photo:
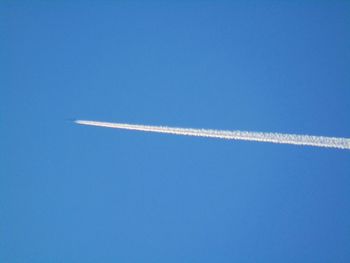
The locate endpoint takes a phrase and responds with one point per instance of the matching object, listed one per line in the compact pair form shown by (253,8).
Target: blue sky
(71,193)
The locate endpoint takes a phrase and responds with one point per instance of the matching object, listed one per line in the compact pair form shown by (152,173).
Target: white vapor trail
(319,141)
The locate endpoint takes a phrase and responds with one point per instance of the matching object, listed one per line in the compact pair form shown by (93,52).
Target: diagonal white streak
(320,141)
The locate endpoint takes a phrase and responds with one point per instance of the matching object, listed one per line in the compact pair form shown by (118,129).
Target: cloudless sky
(71,193)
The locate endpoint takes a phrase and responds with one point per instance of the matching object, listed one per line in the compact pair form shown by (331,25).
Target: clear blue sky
(71,193)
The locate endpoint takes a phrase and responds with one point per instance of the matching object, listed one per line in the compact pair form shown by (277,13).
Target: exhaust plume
(319,141)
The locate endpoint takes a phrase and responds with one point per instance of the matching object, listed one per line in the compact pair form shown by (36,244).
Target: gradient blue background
(72,193)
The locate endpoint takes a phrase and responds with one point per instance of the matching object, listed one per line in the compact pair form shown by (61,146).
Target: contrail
(319,141)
